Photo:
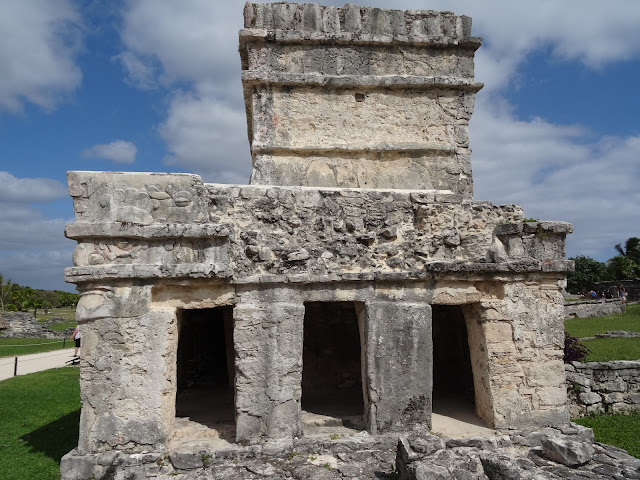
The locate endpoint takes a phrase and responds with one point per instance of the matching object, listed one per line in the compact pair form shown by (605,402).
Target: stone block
(568,452)
(498,332)
(545,374)
(589,398)
(612,397)
(74,466)
(613,386)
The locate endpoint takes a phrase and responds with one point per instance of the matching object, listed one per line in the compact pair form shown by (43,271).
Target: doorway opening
(453,382)
(332,393)
(205,372)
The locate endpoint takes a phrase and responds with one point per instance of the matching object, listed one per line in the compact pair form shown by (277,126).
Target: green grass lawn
(607,349)
(31,345)
(587,327)
(619,430)
(66,313)
(39,416)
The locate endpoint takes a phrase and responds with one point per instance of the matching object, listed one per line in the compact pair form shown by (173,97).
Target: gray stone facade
(603,387)
(364,209)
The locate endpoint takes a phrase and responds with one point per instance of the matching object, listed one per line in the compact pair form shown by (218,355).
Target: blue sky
(154,85)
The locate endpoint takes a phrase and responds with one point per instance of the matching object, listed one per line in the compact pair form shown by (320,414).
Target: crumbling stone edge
(564,453)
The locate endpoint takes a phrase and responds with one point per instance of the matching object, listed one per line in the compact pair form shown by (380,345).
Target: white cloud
(40,39)
(119,151)
(205,136)
(29,189)
(556,175)
(38,269)
(33,248)
(33,232)
(140,74)
(193,41)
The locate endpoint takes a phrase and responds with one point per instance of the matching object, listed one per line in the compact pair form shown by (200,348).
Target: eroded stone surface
(413,456)
(405,94)
(377,100)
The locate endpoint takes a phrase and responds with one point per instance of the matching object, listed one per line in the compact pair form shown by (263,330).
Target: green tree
(587,272)
(630,267)
(621,268)
(21,297)
(6,289)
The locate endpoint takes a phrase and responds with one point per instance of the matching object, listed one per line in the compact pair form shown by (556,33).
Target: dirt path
(34,362)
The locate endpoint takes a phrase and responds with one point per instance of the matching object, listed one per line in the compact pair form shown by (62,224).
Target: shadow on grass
(56,438)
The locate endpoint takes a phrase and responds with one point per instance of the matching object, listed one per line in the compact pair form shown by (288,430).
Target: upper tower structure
(358,97)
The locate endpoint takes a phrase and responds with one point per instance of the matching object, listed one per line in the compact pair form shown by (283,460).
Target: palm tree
(631,249)
(626,265)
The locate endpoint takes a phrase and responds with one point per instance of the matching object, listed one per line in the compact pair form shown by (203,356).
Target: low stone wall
(603,387)
(25,325)
(593,308)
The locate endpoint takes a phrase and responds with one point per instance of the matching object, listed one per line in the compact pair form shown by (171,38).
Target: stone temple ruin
(354,278)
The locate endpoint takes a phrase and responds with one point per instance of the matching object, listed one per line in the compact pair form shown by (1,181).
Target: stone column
(268,341)
(524,384)
(126,371)
(398,367)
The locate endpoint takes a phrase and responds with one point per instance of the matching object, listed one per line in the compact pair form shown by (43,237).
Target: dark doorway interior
(331,375)
(206,367)
(452,374)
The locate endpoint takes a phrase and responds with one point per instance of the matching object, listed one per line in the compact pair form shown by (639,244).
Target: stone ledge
(185,270)
(355,19)
(349,38)
(545,227)
(201,270)
(381,81)
(80,230)
(614,365)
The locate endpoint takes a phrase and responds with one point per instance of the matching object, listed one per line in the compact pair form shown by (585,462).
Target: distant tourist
(622,293)
(76,336)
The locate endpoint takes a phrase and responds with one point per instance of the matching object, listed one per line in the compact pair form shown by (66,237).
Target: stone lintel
(432,270)
(341,151)
(250,78)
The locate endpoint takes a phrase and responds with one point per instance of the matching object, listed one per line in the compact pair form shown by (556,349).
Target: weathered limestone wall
(128,362)
(374,99)
(516,336)
(358,96)
(267,251)
(591,308)
(603,387)
(293,233)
